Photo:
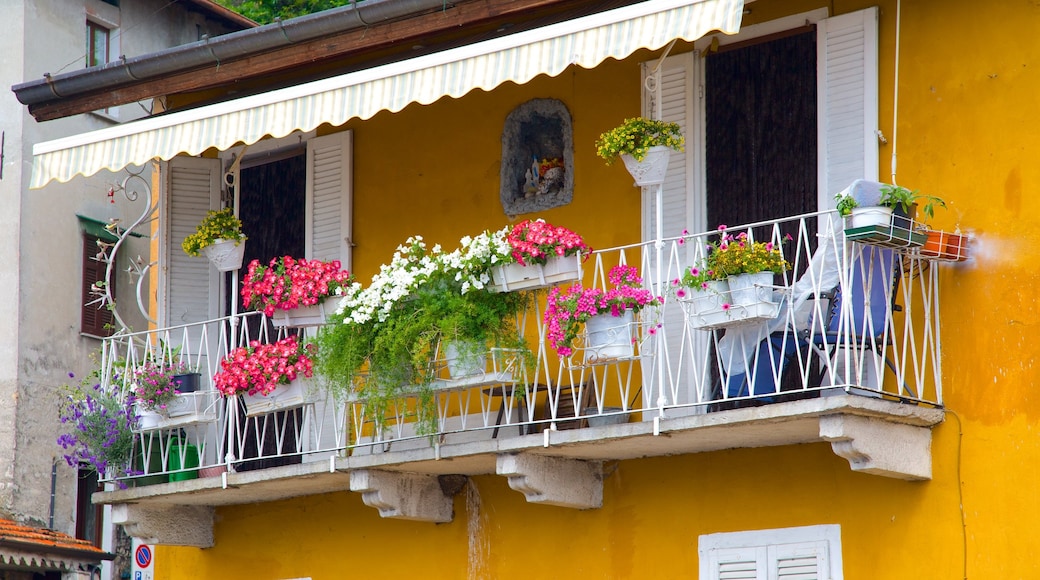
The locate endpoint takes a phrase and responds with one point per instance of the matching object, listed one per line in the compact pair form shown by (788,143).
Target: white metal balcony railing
(848,317)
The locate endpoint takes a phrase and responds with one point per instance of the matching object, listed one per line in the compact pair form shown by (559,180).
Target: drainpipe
(210,52)
(895,96)
(54,483)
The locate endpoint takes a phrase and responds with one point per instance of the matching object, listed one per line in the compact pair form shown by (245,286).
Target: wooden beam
(340,50)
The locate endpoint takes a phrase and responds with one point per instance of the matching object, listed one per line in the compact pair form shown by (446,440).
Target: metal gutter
(212,51)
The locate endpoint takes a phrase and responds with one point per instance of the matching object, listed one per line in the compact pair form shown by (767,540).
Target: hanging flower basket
(652,169)
(226,255)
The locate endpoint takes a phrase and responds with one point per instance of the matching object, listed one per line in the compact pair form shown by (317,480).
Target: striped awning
(520,57)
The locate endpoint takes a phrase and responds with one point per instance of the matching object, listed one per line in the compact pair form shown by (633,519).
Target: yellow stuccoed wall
(969,90)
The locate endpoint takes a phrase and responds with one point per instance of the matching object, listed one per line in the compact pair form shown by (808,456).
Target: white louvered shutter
(329,198)
(674,98)
(802,561)
(847,101)
(192,187)
(737,564)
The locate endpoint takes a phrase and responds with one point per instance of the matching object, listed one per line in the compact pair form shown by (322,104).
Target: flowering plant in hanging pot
(219,235)
(567,311)
(644,146)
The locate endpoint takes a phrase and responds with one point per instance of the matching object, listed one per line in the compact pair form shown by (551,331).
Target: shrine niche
(537,158)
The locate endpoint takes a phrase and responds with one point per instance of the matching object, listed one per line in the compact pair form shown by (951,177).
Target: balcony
(844,347)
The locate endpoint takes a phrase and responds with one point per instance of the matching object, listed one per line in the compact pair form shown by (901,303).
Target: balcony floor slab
(788,423)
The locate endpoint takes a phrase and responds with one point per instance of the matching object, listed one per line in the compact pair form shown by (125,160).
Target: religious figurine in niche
(544,176)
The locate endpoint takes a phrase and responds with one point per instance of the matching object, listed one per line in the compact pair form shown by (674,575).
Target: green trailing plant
(895,196)
(636,136)
(384,346)
(217,225)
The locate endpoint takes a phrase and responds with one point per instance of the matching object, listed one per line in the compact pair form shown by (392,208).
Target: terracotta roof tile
(46,540)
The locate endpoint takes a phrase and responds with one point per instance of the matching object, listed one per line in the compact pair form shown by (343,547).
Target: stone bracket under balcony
(878,447)
(572,483)
(403,496)
(166,524)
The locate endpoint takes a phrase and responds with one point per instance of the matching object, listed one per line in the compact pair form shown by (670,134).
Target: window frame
(764,547)
(94,321)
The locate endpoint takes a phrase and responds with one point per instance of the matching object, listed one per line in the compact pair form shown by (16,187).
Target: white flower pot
(557,269)
(710,299)
(609,337)
(652,169)
(471,361)
(146,418)
(225,255)
(299,392)
(751,289)
(874,215)
(308,316)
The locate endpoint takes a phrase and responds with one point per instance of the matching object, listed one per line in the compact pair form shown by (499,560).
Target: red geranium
(534,241)
(259,368)
(287,283)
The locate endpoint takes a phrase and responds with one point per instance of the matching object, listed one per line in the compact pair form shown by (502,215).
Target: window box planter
(556,270)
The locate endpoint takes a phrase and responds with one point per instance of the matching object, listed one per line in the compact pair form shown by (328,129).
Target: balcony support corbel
(555,481)
(880,447)
(167,524)
(403,496)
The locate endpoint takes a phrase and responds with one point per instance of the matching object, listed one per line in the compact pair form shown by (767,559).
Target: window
(88,515)
(97,44)
(95,319)
(806,553)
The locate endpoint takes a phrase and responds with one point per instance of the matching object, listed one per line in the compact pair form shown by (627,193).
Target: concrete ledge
(872,433)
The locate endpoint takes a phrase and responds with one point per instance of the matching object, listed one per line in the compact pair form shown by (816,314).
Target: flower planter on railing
(609,337)
(308,316)
(881,226)
(184,409)
(556,270)
(297,393)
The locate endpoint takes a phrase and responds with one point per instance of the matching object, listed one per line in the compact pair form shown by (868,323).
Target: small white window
(805,553)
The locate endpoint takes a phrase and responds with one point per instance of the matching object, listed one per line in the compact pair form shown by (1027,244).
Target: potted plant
(153,391)
(606,314)
(267,375)
(219,235)
(393,333)
(748,266)
(536,254)
(891,221)
(294,292)
(98,424)
(643,144)
(703,289)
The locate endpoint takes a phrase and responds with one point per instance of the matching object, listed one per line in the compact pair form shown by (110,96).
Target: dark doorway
(760,148)
(272,194)
(761,138)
